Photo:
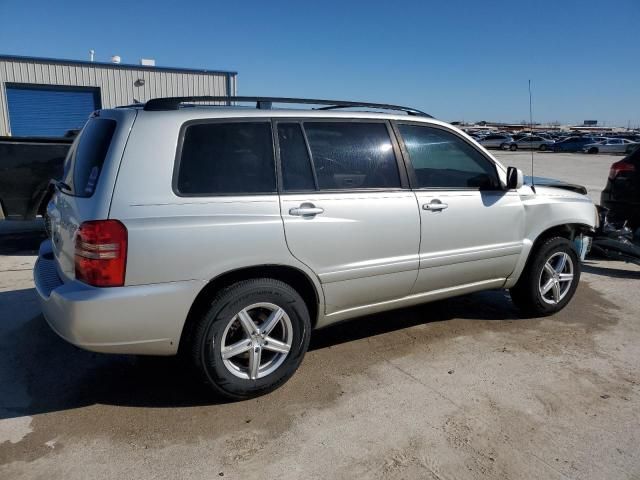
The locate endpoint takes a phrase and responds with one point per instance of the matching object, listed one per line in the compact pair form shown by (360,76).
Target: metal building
(49,97)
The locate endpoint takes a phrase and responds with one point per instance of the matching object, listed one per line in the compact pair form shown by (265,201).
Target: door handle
(435,206)
(306,209)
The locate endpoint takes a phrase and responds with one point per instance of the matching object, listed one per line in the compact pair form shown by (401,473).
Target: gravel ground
(463,388)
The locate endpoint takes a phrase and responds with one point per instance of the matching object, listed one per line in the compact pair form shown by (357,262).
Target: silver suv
(227,234)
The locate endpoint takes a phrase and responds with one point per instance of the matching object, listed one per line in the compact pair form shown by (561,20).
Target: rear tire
(266,322)
(592,150)
(549,279)
(513,148)
(543,148)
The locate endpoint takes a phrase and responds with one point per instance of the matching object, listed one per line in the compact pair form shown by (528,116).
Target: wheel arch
(567,230)
(299,280)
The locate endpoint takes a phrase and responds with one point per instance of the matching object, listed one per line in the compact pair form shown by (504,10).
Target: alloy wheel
(556,278)
(256,341)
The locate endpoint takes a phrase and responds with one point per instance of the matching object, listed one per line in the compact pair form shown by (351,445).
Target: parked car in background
(572,144)
(621,195)
(497,140)
(227,252)
(27,164)
(531,142)
(611,145)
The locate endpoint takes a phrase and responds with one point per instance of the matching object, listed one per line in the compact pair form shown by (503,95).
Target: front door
(346,214)
(472,229)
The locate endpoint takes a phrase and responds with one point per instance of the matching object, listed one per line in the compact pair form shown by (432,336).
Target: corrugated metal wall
(119,84)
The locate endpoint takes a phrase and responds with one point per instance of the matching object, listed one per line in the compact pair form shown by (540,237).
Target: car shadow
(40,372)
(493,305)
(610,272)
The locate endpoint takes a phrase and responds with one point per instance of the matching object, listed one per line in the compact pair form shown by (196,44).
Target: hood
(552,182)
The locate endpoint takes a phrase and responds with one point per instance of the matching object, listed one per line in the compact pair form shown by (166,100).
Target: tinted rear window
(227,158)
(86,156)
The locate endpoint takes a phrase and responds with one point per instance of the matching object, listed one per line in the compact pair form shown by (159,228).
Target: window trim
(200,121)
(400,164)
(276,142)
(413,179)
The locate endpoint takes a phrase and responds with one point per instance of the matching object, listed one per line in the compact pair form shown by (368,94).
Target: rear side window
(227,158)
(351,155)
(297,174)
(440,159)
(87,155)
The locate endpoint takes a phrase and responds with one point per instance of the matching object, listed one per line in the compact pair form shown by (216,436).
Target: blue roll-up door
(49,111)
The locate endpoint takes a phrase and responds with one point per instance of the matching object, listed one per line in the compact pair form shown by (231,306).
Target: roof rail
(265,103)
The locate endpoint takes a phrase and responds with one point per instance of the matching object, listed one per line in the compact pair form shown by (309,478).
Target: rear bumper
(139,319)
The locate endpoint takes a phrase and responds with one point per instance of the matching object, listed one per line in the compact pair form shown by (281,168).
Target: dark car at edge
(621,195)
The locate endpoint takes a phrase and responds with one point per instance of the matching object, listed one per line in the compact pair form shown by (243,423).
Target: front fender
(545,211)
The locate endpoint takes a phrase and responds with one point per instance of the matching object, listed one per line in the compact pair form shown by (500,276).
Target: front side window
(227,158)
(441,159)
(351,155)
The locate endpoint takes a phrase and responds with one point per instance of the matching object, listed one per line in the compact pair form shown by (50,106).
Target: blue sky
(459,60)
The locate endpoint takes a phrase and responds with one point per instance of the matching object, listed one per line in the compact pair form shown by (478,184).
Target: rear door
(347,210)
(472,229)
(86,186)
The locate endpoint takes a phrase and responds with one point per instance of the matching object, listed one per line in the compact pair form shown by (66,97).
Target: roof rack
(265,103)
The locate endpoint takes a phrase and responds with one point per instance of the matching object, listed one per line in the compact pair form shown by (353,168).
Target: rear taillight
(620,167)
(101,253)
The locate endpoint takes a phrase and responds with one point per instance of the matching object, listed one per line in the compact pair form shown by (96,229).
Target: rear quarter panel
(67,212)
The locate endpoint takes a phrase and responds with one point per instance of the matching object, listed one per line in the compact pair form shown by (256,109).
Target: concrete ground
(463,388)
(590,171)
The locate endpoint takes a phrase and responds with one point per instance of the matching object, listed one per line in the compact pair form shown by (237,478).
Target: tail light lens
(101,253)
(620,167)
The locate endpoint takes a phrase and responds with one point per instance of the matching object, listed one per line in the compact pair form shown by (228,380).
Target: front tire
(549,280)
(592,150)
(513,148)
(543,148)
(252,339)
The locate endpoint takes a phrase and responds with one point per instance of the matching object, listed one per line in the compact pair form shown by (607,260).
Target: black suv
(622,193)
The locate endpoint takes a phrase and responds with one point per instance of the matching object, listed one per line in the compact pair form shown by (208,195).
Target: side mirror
(515,178)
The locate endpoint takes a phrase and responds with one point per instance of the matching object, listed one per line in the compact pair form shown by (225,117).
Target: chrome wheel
(556,278)
(256,341)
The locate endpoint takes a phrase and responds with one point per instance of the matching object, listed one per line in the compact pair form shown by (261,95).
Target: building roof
(61,61)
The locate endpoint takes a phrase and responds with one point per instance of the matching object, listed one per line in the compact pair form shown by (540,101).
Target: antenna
(533,186)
